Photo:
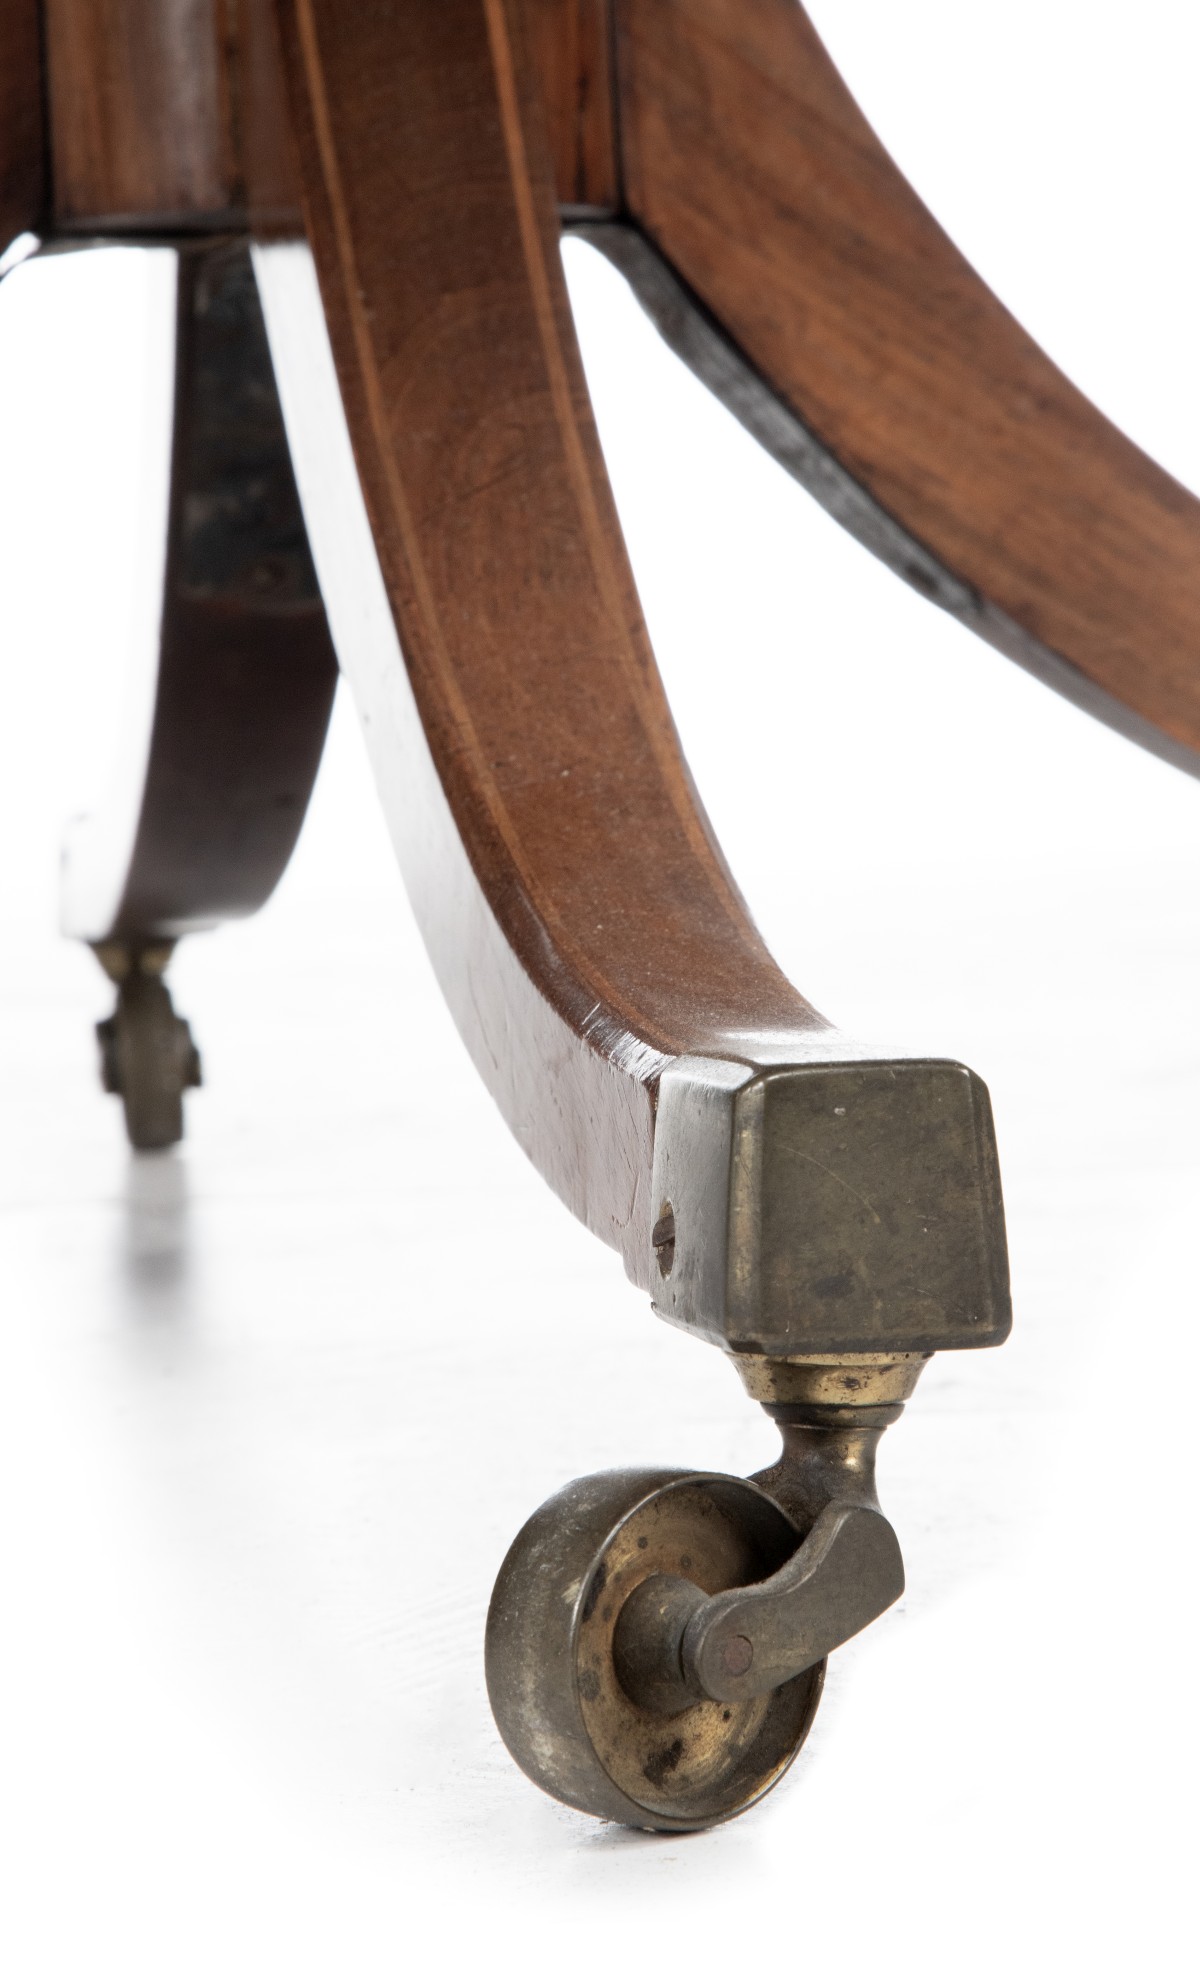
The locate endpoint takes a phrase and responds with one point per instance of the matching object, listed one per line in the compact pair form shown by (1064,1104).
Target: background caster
(147,1056)
(560,1667)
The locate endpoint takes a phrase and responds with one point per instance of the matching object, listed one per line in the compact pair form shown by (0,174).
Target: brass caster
(578,1700)
(147,1056)
(656,1642)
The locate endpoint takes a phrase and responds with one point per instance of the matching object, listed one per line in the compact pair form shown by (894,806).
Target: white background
(270,1411)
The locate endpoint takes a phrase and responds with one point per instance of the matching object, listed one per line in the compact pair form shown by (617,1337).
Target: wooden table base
(376,193)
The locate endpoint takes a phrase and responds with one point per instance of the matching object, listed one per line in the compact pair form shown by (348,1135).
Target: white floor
(271,1409)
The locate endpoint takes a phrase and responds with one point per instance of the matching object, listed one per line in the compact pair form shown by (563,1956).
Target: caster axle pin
(679,1644)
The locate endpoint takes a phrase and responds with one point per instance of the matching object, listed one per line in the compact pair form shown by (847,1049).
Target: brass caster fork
(657,1640)
(147,1056)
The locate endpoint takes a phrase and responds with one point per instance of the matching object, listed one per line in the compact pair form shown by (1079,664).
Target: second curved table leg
(246,676)
(788,260)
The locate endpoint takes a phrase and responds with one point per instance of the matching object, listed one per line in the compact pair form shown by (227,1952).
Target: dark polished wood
(751,169)
(433,182)
(431,209)
(167,115)
(246,671)
(828,1215)
(22,137)
(795,268)
(570,44)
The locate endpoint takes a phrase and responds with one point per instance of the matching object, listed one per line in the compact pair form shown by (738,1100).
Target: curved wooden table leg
(789,261)
(245,683)
(828,1216)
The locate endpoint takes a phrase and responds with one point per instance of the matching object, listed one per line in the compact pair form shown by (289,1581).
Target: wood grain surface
(720,130)
(621,939)
(22,137)
(246,670)
(167,115)
(751,169)
(570,46)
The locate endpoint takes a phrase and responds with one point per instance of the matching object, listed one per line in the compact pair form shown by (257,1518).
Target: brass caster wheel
(147,1056)
(588,1710)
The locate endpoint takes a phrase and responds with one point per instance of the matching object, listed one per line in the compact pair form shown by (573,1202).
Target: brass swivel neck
(674,1644)
(830,1411)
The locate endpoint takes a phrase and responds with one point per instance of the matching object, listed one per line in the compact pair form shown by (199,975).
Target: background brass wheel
(552,1679)
(148,1058)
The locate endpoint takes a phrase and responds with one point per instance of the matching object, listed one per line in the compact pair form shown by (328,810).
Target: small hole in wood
(662,1236)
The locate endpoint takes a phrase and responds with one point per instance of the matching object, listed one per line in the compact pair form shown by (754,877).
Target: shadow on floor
(154,1245)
